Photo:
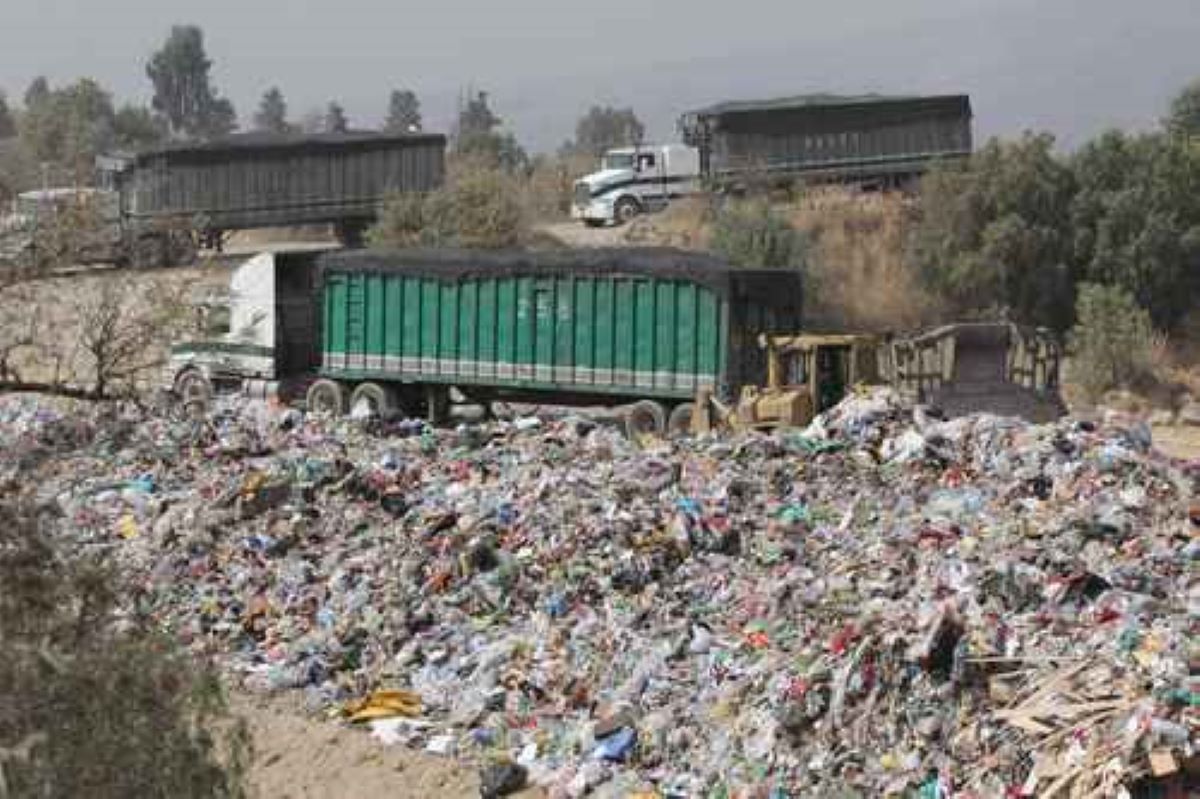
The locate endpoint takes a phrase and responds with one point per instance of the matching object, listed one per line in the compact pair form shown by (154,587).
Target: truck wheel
(194,392)
(679,423)
(626,209)
(326,397)
(182,249)
(646,417)
(381,400)
(150,252)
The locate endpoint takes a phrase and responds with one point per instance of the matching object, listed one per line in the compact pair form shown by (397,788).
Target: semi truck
(636,180)
(395,331)
(161,204)
(875,140)
(871,141)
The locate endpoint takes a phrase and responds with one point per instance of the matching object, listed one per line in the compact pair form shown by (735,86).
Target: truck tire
(383,401)
(679,423)
(646,417)
(151,251)
(626,209)
(194,392)
(326,397)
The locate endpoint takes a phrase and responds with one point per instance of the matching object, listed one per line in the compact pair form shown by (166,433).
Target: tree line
(1021,226)
(65,127)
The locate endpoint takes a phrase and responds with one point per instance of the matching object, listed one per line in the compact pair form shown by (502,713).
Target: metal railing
(921,365)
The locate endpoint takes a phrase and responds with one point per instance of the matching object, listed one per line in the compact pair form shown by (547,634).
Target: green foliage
(403,222)
(1112,341)
(335,118)
(404,112)
(183,92)
(8,124)
(90,707)
(478,140)
(70,126)
(751,234)
(271,116)
(38,90)
(137,128)
(1136,220)
(1183,118)
(604,128)
(494,151)
(481,208)
(995,232)
(475,117)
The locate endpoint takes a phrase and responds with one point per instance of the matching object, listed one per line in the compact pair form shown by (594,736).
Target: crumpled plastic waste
(885,603)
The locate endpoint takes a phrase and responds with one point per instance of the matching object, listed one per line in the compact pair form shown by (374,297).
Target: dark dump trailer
(201,191)
(870,140)
(396,331)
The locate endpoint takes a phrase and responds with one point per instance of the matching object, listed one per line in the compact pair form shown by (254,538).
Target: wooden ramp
(984,368)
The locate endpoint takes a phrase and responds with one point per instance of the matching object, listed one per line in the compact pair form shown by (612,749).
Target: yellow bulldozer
(963,368)
(806,375)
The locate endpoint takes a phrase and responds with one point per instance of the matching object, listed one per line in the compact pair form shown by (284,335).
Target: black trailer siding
(254,181)
(830,138)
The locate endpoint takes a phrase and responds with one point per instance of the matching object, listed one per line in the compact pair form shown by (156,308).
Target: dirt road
(298,757)
(577,234)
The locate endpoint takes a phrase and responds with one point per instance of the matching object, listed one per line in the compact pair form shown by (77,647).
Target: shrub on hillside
(90,706)
(1112,343)
(480,208)
(752,234)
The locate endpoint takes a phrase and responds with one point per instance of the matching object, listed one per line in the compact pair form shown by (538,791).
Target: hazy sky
(1070,66)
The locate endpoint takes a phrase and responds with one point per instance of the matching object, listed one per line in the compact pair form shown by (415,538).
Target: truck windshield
(618,161)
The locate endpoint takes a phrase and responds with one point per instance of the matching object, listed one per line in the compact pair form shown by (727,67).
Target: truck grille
(583,194)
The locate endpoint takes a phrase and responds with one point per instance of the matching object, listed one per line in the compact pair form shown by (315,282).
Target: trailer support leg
(437,402)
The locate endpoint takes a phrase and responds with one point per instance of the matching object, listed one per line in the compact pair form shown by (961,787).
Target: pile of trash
(883,604)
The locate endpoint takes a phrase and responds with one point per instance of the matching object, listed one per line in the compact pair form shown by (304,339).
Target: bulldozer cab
(825,367)
(806,375)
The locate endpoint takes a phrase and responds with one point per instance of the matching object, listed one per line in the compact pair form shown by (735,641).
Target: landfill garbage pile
(881,604)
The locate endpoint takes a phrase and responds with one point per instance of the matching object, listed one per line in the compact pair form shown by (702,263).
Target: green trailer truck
(402,332)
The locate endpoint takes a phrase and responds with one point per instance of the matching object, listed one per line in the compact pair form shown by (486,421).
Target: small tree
(70,126)
(90,708)
(604,128)
(996,232)
(1183,118)
(8,125)
(482,208)
(1112,341)
(271,116)
(136,128)
(479,141)
(183,91)
(475,118)
(404,112)
(751,234)
(335,119)
(38,91)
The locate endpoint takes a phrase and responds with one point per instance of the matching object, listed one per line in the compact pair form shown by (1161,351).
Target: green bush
(481,208)
(486,210)
(1112,343)
(92,707)
(402,222)
(751,234)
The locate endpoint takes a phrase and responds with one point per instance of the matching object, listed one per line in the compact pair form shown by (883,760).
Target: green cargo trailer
(398,330)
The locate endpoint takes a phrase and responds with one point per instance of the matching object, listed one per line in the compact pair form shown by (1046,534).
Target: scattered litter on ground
(884,602)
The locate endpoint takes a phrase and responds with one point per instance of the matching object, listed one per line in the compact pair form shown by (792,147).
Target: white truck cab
(636,180)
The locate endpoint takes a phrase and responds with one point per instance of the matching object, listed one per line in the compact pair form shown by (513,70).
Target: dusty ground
(298,757)
(1178,441)
(577,234)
